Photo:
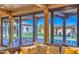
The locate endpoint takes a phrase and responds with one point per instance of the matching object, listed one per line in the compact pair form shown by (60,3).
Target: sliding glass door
(40,27)
(16,32)
(71,27)
(27,30)
(5,32)
(58,27)
(65,27)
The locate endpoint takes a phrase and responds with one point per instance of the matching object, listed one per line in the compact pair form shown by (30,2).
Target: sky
(69,21)
(57,21)
(40,21)
(27,21)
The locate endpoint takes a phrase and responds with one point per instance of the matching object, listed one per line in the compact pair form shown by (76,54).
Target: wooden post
(10,30)
(46,15)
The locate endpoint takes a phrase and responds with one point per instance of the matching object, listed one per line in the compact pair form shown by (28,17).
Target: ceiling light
(2,7)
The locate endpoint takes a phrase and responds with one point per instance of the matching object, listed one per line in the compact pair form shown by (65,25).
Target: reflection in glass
(5,33)
(71,28)
(27,30)
(16,32)
(40,28)
(58,28)
(49,34)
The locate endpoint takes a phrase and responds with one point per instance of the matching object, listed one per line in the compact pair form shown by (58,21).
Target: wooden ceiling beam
(4,12)
(41,6)
(52,6)
(34,8)
(26,10)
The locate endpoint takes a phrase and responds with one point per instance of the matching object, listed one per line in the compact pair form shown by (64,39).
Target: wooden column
(10,30)
(46,15)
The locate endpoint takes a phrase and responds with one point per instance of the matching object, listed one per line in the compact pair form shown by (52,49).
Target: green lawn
(23,35)
(27,35)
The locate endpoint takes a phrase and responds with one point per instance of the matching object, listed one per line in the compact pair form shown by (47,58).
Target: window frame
(2,31)
(64,26)
(21,27)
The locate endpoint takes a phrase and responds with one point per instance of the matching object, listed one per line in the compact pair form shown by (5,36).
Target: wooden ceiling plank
(41,5)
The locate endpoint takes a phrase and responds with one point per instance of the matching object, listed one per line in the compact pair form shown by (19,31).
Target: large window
(58,28)
(65,27)
(5,32)
(62,27)
(27,30)
(71,27)
(40,27)
(16,32)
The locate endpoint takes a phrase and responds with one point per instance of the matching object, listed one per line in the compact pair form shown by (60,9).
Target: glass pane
(16,32)
(27,30)
(71,28)
(5,33)
(40,28)
(49,21)
(58,28)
